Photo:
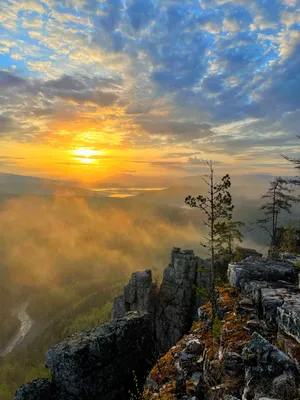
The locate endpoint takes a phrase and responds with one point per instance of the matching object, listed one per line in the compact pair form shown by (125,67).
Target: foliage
(296,161)
(278,200)
(216,206)
(228,234)
(217,328)
(288,241)
(201,292)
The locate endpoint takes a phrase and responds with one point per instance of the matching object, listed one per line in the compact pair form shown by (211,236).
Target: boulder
(249,270)
(39,389)
(101,363)
(267,370)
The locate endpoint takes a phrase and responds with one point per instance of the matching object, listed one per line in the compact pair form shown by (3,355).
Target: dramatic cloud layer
(171,77)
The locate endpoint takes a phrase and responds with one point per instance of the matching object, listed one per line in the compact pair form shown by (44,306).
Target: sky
(91,88)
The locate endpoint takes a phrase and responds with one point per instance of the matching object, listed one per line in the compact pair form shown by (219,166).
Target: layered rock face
(177,299)
(252,354)
(101,363)
(272,285)
(174,304)
(139,295)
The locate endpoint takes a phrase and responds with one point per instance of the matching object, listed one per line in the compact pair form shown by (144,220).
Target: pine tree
(296,161)
(228,234)
(216,206)
(278,200)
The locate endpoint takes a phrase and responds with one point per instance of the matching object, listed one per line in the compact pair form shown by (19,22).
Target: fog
(52,242)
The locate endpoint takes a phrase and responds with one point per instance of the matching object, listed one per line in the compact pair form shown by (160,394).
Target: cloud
(7,126)
(8,80)
(198,161)
(152,73)
(80,91)
(181,154)
(166,127)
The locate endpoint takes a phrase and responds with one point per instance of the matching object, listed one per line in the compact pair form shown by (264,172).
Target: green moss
(217,328)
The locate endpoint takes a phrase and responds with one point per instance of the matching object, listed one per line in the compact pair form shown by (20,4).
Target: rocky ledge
(105,362)
(251,351)
(272,285)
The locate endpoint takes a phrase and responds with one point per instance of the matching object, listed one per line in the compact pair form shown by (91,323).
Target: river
(26,324)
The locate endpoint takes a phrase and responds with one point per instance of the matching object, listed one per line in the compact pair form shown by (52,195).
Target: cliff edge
(108,362)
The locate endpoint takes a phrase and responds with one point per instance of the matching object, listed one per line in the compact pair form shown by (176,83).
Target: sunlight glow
(84,152)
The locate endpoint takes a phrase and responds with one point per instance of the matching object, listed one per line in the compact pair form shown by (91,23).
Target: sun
(86,155)
(84,152)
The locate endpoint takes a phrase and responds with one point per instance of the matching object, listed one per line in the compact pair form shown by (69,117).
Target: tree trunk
(212,267)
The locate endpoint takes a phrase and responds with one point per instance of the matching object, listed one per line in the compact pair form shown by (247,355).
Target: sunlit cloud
(150,78)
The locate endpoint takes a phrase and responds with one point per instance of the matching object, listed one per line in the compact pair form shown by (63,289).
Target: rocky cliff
(251,351)
(105,362)
(173,305)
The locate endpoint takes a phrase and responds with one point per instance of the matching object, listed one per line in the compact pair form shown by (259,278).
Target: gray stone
(202,315)
(118,309)
(39,389)
(138,295)
(194,346)
(288,316)
(174,306)
(247,304)
(177,299)
(284,387)
(260,270)
(258,326)
(264,367)
(101,362)
(265,398)
(292,258)
(234,365)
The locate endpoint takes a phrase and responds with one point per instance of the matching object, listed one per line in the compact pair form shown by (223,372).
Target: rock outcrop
(268,371)
(104,362)
(139,295)
(250,352)
(174,305)
(253,271)
(253,353)
(177,300)
(101,362)
(273,287)
(38,389)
